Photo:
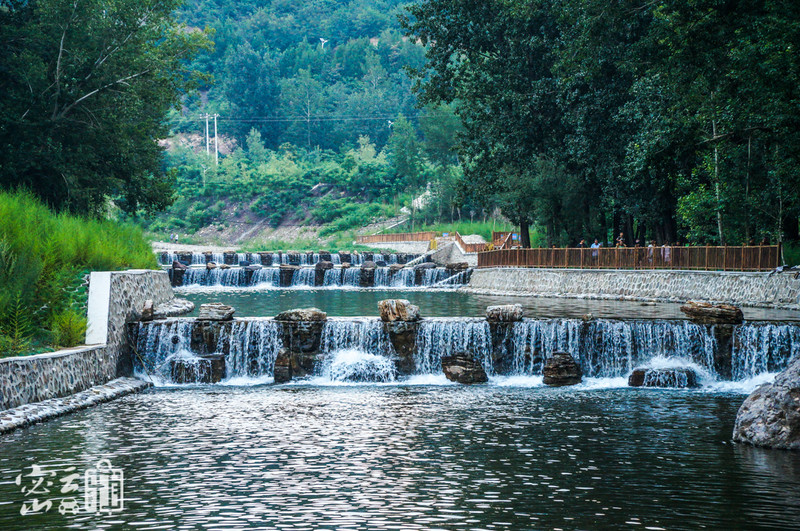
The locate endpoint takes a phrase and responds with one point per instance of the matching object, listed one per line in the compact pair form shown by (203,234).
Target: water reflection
(441,303)
(383,457)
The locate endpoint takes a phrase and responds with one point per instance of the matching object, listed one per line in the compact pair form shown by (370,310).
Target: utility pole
(216,142)
(208,152)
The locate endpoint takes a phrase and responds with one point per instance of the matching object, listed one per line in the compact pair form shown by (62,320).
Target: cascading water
(367,335)
(266,276)
(604,348)
(763,347)
(445,337)
(253,347)
(608,349)
(304,277)
(403,278)
(235,276)
(352,277)
(333,277)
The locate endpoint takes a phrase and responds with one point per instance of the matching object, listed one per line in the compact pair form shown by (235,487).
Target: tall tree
(86,85)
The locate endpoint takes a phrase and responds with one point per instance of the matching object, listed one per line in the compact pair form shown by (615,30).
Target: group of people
(666,254)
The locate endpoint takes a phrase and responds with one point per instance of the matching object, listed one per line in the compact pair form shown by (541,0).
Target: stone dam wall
(746,289)
(106,356)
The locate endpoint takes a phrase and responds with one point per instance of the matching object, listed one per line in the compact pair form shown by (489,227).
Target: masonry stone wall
(115,298)
(746,289)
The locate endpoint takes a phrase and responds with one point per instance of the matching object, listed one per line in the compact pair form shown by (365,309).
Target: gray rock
(425,265)
(463,368)
(506,313)
(302,314)
(215,311)
(677,378)
(172,308)
(561,369)
(211,265)
(324,265)
(394,268)
(770,416)
(253,267)
(457,266)
(178,265)
(398,310)
(225,266)
(369,264)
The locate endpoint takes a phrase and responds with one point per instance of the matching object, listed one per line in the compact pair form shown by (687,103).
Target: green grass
(43,260)
(791,254)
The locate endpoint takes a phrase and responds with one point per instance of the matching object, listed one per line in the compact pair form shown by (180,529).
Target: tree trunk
(716,181)
(525,235)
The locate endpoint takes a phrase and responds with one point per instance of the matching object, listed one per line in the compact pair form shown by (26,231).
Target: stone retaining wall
(746,289)
(115,298)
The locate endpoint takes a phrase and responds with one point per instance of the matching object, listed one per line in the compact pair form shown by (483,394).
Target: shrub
(68,329)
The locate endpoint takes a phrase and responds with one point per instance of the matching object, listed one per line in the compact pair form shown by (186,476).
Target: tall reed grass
(43,259)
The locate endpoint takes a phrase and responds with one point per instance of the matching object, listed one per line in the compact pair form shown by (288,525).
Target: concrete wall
(747,289)
(115,298)
(452,253)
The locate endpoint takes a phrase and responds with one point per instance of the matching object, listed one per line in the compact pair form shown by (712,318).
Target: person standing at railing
(620,240)
(651,251)
(595,250)
(666,253)
(582,244)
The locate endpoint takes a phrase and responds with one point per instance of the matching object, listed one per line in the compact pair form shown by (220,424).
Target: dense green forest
(674,121)
(668,120)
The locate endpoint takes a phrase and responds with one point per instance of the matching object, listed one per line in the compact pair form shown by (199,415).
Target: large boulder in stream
(425,265)
(324,265)
(463,368)
(398,310)
(770,416)
(505,313)
(369,264)
(302,314)
(561,369)
(457,267)
(673,377)
(215,311)
(707,313)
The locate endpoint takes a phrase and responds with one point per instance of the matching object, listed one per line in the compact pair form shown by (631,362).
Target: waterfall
(445,337)
(433,276)
(609,349)
(352,277)
(198,259)
(255,258)
(382,277)
(366,335)
(403,278)
(158,343)
(336,259)
(763,347)
(266,276)
(304,277)
(235,276)
(459,279)
(254,345)
(333,277)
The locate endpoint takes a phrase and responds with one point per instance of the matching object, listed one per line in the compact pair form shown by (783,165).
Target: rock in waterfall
(561,369)
(302,314)
(398,310)
(215,311)
(707,313)
(463,368)
(679,378)
(506,313)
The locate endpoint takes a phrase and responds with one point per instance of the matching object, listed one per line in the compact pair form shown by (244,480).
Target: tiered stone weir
(285,258)
(605,348)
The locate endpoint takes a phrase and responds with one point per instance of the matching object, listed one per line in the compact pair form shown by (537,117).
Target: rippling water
(415,457)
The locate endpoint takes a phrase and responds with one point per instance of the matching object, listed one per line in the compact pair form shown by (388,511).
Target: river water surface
(414,457)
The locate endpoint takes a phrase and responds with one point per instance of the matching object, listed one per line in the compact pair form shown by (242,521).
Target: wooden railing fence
(729,258)
(469,247)
(397,237)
